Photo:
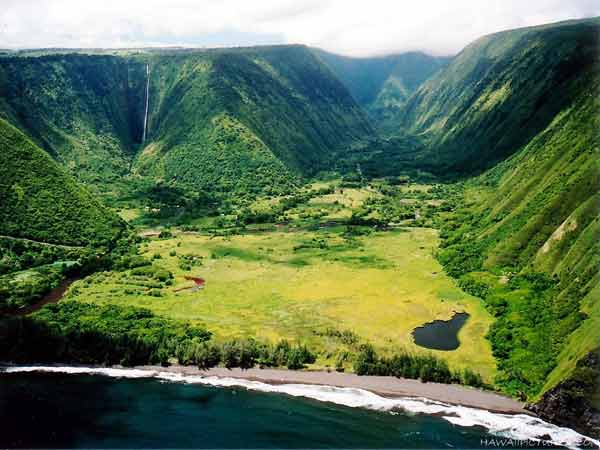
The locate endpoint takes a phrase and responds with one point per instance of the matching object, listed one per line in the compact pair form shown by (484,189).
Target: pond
(440,334)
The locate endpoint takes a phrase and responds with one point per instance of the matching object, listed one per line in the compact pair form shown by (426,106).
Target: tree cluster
(405,365)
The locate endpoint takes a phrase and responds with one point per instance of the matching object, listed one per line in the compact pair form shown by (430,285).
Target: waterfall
(147,94)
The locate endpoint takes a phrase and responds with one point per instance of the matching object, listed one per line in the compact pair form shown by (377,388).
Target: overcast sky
(351,27)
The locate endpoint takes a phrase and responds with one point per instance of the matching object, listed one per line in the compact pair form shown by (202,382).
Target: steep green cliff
(50,226)
(41,202)
(233,118)
(524,104)
(84,110)
(499,93)
(527,242)
(250,119)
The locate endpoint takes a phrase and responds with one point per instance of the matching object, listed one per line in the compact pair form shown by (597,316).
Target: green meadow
(305,286)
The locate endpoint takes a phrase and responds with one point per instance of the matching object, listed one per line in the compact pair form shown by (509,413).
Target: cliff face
(527,238)
(245,119)
(499,93)
(40,201)
(262,115)
(86,111)
(575,402)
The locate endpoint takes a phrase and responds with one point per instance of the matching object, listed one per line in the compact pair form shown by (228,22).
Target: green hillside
(86,111)
(499,93)
(382,85)
(524,105)
(229,118)
(527,242)
(42,203)
(253,119)
(50,227)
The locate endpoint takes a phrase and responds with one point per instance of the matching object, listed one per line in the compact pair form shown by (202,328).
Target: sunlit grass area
(298,285)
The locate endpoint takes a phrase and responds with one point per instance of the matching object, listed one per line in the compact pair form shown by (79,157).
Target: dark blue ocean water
(84,411)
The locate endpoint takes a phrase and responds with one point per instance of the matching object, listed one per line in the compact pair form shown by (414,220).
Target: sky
(349,27)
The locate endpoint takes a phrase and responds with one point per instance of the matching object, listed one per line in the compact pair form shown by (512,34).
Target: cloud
(353,27)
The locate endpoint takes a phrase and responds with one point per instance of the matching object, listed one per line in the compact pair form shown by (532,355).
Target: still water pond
(440,334)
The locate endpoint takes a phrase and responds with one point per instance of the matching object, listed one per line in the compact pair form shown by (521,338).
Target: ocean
(87,410)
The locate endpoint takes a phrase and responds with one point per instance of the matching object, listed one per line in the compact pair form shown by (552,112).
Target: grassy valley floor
(309,287)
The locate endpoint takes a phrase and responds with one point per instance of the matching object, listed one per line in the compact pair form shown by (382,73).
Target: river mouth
(440,334)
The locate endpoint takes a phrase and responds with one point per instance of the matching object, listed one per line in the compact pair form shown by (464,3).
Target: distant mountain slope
(41,202)
(224,117)
(250,118)
(382,85)
(86,111)
(500,92)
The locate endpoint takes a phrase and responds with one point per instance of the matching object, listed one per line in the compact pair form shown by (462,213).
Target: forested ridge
(42,203)
(525,237)
(500,92)
(50,226)
(215,116)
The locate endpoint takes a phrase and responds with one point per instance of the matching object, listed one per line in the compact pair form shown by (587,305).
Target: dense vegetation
(90,334)
(526,241)
(26,288)
(20,254)
(245,119)
(499,93)
(75,332)
(232,122)
(225,159)
(42,203)
(246,353)
(405,365)
(47,223)
(84,110)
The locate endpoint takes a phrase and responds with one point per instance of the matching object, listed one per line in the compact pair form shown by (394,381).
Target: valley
(310,284)
(283,207)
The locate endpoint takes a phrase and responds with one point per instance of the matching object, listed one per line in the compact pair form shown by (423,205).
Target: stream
(51,297)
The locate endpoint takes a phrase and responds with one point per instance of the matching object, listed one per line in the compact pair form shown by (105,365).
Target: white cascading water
(147,95)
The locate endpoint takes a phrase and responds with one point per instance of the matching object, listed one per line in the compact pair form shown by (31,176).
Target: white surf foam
(512,426)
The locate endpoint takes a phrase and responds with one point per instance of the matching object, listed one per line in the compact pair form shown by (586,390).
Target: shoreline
(385,386)
(459,405)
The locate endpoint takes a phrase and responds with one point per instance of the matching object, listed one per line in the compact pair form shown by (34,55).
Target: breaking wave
(512,426)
